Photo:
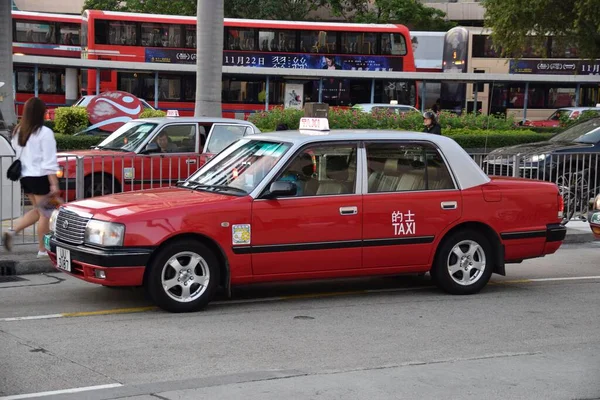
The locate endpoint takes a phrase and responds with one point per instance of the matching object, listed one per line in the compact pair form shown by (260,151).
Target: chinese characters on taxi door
(404,223)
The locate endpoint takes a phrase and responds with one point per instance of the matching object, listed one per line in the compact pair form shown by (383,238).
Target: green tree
(169,7)
(107,5)
(516,24)
(293,10)
(411,13)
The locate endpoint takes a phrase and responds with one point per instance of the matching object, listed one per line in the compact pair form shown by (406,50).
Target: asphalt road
(533,334)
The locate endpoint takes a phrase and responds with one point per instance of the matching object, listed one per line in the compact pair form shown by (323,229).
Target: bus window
(318,42)
(190,36)
(69,34)
(359,43)
(34,32)
(240,39)
(161,35)
(394,43)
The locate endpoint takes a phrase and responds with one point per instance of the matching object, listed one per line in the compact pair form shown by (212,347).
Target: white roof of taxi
(197,119)
(466,171)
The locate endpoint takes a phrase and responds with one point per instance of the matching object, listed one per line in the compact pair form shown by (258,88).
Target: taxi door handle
(348,210)
(190,161)
(449,205)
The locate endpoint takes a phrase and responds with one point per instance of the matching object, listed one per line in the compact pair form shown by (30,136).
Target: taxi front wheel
(183,277)
(464,263)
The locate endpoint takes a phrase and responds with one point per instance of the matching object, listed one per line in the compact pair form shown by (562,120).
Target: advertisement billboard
(554,67)
(282,60)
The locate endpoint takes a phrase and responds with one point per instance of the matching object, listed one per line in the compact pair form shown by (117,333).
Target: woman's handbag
(14,171)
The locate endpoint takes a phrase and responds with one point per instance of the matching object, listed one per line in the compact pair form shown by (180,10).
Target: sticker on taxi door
(241,234)
(404,223)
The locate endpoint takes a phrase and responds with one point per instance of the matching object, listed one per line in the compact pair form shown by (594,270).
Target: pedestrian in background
(35,148)
(431,124)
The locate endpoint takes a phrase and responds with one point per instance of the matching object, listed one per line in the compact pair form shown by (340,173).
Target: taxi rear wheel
(464,263)
(183,277)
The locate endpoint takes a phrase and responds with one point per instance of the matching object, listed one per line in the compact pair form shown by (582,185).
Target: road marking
(50,316)
(109,312)
(568,278)
(64,391)
(282,298)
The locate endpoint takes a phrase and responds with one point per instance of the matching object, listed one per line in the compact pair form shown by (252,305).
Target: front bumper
(120,267)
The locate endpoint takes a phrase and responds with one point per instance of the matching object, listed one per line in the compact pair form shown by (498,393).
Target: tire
(101,186)
(173,267)
(478,260)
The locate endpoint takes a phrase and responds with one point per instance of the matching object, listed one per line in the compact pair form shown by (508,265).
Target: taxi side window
(322,170)
(223,135)
(178,138)
(398,167)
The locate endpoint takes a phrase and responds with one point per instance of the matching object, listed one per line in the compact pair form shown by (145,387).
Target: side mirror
(151,148)
(281,189)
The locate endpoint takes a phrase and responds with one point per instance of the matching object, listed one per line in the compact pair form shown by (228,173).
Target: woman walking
(35,147)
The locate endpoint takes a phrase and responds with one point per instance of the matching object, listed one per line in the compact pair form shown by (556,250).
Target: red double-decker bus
(254,44)
(42,34)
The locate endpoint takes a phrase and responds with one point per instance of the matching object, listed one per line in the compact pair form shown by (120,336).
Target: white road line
(49,316)
(567,278)
(64,391)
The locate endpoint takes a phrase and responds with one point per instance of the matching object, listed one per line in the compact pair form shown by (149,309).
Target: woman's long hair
(32,120)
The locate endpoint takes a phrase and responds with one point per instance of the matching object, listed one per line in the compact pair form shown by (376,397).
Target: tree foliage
(411,13)
(169,7)
(516,24)
(292,10)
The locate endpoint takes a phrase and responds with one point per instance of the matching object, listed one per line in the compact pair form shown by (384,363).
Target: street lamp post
(209,58)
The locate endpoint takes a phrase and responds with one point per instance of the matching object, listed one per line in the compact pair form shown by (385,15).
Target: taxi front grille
(70,226)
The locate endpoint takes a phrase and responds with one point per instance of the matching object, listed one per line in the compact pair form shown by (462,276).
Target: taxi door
(410,199)
(318,229)
(180,160)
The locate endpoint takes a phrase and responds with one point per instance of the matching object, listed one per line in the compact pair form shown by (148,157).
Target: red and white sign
(172,113)
(110,110)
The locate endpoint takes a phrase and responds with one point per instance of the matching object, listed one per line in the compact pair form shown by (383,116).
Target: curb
(29,267)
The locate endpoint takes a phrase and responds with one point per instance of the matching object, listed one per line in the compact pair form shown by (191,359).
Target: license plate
(63,259)
(47,242)
(595,218)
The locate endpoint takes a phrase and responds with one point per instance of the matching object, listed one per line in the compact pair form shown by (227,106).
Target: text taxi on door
(313,203)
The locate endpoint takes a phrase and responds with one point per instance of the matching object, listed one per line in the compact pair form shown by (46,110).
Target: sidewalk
(23,259)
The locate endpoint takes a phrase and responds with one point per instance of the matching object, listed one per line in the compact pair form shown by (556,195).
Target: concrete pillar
(209,58)
(71,85)
(7,99)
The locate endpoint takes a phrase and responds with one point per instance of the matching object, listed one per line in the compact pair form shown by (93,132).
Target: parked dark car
(570,159)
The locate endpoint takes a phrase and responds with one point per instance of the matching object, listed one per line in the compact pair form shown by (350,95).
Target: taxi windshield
(239,168)
(128,137)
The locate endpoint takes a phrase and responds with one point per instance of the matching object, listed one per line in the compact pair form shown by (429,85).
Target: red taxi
(308,205)
(148,153)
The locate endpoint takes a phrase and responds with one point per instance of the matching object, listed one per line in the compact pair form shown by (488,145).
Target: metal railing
(575,174)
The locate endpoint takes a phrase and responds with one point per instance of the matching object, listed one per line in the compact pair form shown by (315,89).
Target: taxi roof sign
(314,125)
(172,113)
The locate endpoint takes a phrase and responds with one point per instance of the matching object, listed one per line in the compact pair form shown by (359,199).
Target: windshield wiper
(199,186)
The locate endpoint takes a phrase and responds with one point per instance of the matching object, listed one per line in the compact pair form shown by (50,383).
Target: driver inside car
(299,172)
(165,144)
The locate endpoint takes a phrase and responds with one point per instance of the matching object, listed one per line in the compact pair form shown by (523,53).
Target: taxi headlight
(52,221)
(103,233)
